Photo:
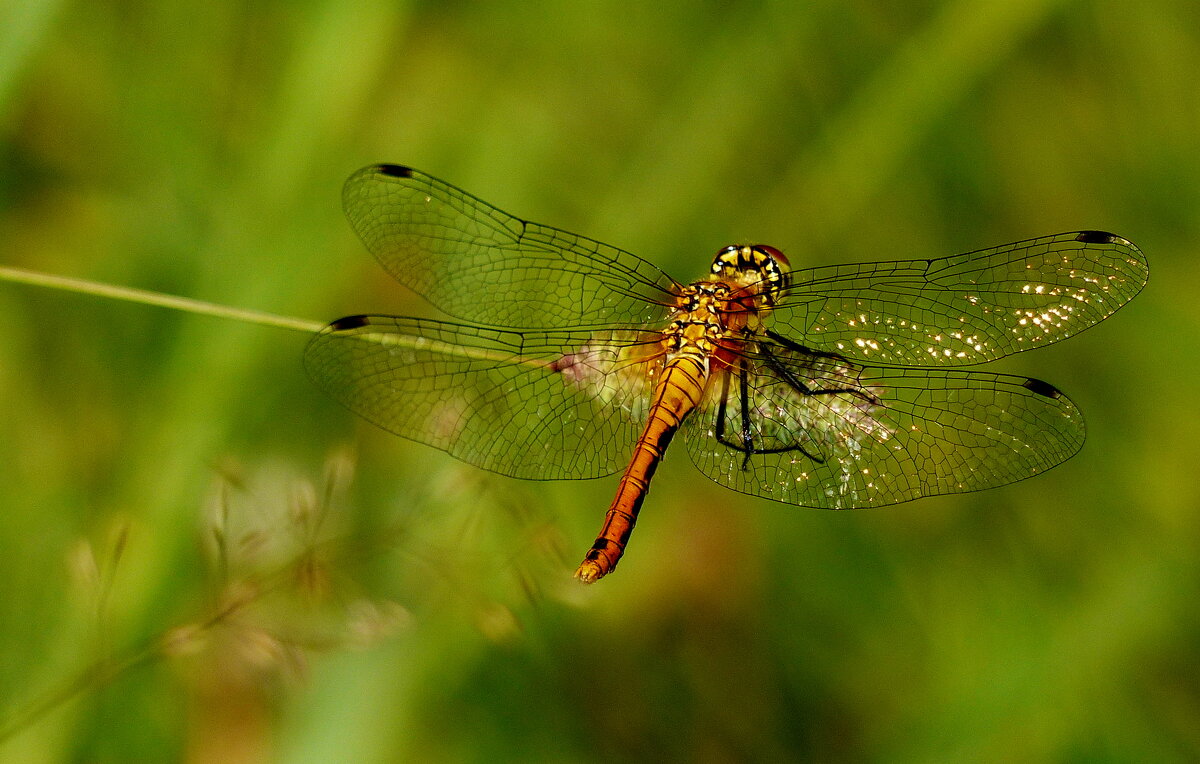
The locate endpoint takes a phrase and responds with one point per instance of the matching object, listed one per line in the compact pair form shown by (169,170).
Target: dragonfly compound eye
(758,269)
(780,259)
(772,266)
(726,258)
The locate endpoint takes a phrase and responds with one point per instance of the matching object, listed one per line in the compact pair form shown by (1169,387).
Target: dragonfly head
(755,269)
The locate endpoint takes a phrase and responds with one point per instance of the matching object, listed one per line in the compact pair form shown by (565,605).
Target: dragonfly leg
(747,436)
(746,446)
(796,346)
(752,451)
(796,384)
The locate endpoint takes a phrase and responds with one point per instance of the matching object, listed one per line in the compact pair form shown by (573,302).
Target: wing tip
(1136,267)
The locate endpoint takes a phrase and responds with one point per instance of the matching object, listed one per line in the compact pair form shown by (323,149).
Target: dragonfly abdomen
(677,394)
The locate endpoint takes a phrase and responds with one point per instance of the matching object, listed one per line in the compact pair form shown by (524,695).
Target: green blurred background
(202,558)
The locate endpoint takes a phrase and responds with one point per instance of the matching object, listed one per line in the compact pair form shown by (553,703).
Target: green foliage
(424,611)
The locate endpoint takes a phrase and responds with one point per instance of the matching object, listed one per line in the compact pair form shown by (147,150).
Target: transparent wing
(824,432)
(480,264)
(963,309)
(538,405)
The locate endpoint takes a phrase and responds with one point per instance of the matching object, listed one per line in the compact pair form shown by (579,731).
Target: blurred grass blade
(129,294)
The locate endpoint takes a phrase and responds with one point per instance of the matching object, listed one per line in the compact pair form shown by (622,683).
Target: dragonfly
(835,387)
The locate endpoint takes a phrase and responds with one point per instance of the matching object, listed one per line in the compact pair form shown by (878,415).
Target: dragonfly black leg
(747,436)
(794,382)
(746,446)
(793,345)
(722,411)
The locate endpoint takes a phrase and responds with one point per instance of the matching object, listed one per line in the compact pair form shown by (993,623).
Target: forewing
(480,264)
(889,435)
(964,309)
(538,405)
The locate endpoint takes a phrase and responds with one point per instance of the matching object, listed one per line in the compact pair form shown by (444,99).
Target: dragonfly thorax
(698,321)
(753,270)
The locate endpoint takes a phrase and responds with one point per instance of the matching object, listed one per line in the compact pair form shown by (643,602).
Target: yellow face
(753,270)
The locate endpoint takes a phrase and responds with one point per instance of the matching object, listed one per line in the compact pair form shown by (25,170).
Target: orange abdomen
(677,394)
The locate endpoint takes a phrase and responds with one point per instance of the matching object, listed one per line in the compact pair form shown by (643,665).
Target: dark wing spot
(1096,237)
(395,170)
(1044,389)
(350,322)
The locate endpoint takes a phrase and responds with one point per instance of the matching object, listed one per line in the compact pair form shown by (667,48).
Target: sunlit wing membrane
(537,405)
(963,309)
(892,435)
(480,264)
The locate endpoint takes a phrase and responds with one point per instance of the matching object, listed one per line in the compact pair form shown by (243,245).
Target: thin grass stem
(189,305)
(144,297)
